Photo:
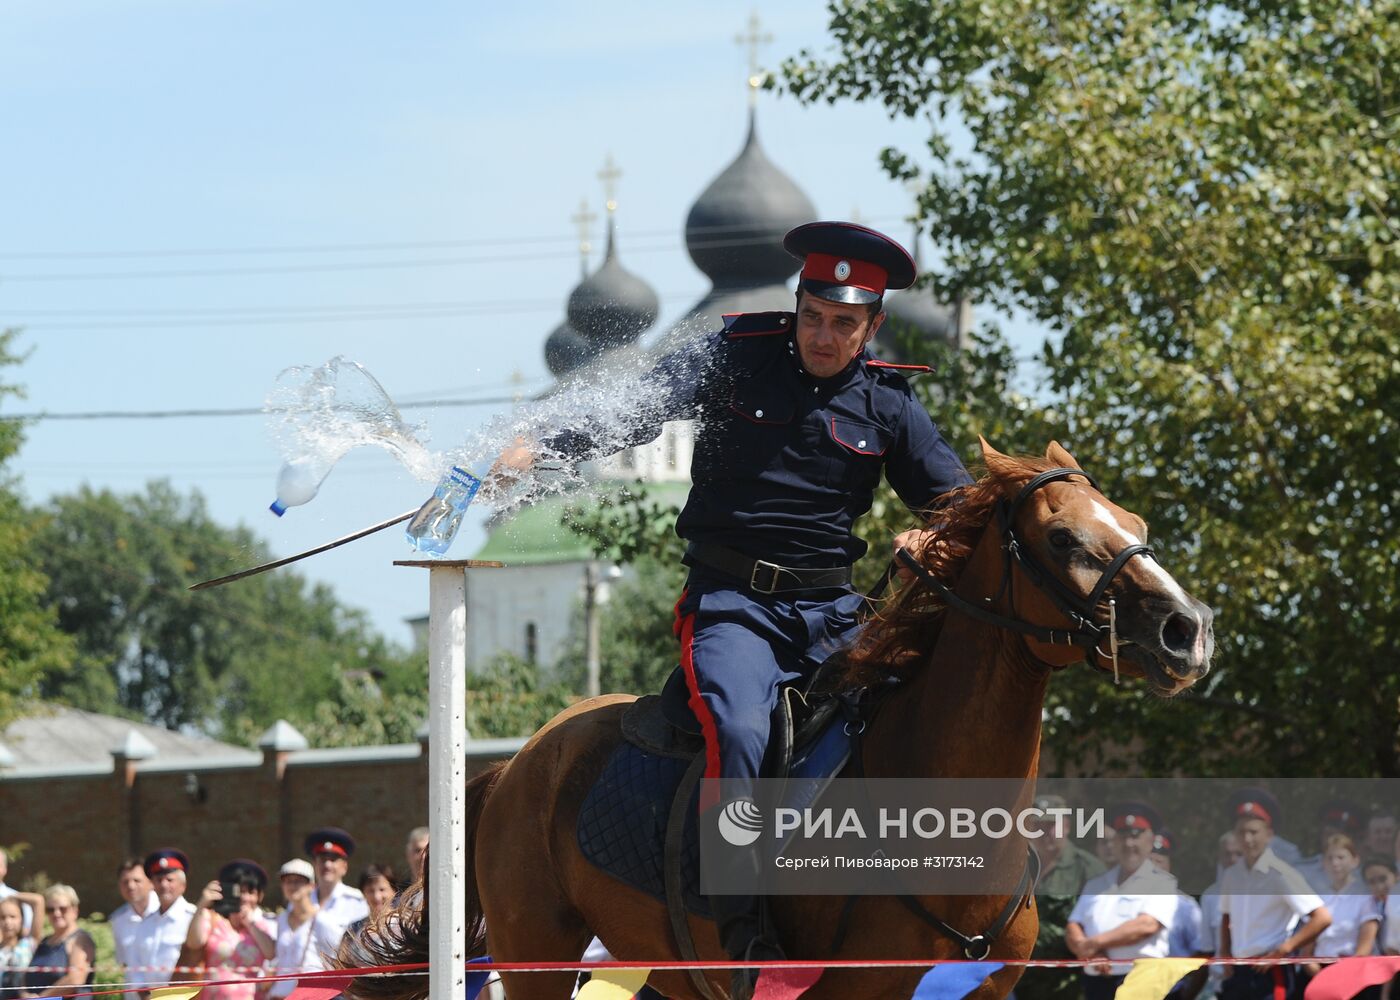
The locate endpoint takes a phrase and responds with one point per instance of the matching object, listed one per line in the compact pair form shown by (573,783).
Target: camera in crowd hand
(232,900)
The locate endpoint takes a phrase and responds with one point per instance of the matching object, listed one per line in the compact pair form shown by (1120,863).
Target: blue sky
(138,133)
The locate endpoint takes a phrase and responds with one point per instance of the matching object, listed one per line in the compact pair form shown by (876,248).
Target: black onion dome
(612,306)
(565,349)
(735,229)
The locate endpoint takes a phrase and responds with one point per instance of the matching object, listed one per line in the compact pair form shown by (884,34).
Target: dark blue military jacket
(785,462)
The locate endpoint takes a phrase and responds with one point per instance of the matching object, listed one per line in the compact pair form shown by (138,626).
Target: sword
(309,552)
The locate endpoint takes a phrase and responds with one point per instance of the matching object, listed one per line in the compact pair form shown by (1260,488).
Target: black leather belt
(763,576)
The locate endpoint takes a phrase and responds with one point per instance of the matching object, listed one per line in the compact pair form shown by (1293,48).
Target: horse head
(1077,566)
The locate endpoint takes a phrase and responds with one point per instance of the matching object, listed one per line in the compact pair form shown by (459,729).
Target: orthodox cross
(753,38)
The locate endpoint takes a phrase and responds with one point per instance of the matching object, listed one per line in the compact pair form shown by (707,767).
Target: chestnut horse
(969,706)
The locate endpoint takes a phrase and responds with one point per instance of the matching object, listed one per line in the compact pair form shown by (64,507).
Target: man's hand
(510,467)
(914,540)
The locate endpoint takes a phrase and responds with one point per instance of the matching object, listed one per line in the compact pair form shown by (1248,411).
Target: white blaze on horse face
(1149,565)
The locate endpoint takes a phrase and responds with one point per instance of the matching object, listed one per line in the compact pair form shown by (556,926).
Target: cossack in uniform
(784,464)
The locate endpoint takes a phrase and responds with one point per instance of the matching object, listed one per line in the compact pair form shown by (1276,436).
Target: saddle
(640,821)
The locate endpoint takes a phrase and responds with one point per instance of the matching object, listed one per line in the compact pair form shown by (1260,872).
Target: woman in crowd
(302,938)
(1355,915)
(68,951)
(233,946)
(377,884)
(17,947)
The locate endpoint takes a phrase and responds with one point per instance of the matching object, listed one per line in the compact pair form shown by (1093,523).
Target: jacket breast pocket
(857,451)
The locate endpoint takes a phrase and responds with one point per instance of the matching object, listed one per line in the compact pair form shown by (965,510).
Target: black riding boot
(741,931)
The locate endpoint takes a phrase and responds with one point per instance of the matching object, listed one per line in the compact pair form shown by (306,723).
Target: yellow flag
(614,984)
(176,993)
(1151,978)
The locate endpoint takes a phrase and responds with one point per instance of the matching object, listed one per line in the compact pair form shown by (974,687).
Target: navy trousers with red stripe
(737,648)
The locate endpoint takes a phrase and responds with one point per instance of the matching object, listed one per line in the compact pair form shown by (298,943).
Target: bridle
(1079,610)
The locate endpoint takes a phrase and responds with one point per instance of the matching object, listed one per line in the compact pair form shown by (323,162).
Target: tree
(1200,201)
(228,662)
(31,644)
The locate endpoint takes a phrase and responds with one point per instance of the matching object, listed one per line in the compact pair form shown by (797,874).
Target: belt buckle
(774,568)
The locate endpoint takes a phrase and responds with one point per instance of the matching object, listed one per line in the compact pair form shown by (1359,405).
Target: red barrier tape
(421,968)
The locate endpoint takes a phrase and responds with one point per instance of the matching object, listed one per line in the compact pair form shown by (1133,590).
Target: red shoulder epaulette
(756,324)
(906,369)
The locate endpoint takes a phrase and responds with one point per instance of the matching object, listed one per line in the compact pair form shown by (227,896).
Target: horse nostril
(1179,633)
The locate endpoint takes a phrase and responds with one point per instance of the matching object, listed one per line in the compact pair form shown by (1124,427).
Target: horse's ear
(1060,457)
(1003,467)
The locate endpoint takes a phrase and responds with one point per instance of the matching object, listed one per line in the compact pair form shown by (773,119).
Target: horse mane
(902,635)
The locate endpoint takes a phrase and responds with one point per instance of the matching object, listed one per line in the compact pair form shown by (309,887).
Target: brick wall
(80,826)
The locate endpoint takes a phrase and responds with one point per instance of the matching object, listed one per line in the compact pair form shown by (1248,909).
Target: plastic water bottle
(435,525)
(298,481)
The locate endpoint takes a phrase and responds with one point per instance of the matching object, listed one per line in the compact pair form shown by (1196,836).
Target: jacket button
(860,444)
(758,413)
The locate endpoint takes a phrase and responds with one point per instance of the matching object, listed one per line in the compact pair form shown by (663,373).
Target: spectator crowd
(1116,900)
(167,930)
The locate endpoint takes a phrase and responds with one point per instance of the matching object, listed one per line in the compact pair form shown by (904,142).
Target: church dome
(612,306)
(735,229)
(565,349)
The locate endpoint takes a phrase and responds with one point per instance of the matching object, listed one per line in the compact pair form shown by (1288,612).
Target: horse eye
(1061,539)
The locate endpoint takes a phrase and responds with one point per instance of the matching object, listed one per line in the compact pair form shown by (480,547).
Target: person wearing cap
(1125,913)
(337,905)
(231,946)
(155,948)
(303,938)
(796,423)
(1261,898)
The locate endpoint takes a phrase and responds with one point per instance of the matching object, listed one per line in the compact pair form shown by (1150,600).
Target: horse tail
(400,935)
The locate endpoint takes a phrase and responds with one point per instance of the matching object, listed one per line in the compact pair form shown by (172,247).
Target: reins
(1080,611)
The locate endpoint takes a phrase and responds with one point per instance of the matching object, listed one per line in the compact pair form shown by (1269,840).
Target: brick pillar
(133,749)
(277,746)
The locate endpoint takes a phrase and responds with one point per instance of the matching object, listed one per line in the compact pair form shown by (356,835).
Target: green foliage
(509,698)
(31,645)
(230,661)
(1201,201)
(626,524)
(636,645)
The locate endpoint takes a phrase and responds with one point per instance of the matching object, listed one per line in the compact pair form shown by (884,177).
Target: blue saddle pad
(622,825)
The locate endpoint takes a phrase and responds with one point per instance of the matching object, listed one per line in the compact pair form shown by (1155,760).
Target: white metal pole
(447,776)
(447,764)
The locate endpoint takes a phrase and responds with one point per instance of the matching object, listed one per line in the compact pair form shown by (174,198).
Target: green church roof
(537,536)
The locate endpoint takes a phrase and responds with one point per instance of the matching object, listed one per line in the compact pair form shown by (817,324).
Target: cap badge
(843,270)
(163,863)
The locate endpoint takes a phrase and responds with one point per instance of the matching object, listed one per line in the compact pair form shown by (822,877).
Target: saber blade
(244,573)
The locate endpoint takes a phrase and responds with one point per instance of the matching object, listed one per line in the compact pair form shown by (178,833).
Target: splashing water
(320,412)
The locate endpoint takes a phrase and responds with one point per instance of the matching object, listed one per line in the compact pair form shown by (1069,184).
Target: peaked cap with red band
(1254,803)
(167,859)
(1133,816)
(330,840)
(846,263)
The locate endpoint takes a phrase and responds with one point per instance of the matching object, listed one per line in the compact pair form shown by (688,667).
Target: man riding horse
(796,421)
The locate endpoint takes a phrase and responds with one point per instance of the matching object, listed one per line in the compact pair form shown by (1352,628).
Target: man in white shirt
(135,887)
(1261,898)
(338,905)
(1126,912)
(155,948)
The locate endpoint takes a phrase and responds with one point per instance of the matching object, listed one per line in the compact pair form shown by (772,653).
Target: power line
(214,272)
(242,411)
(235,316)
(358,247)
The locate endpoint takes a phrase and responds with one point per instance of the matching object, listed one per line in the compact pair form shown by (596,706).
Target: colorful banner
(954,981)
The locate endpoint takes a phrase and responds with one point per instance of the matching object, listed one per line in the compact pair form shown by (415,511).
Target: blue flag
(954,980)
(476,980)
